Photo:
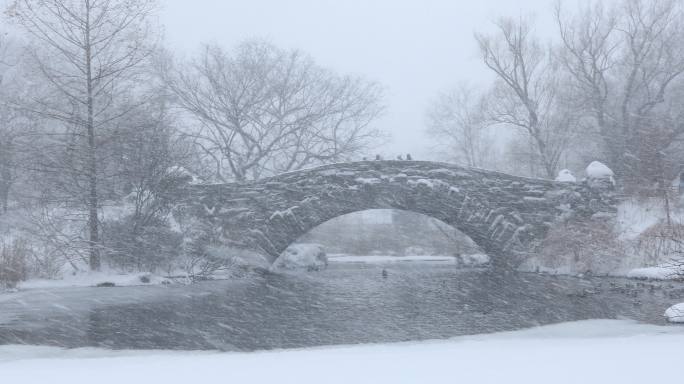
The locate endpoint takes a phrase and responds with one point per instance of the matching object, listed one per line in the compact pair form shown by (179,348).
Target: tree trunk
(4,197)
(93,220)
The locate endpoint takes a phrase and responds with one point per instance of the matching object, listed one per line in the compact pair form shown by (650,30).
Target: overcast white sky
(415,48)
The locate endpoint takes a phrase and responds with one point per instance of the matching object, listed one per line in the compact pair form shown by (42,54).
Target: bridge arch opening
(381,235)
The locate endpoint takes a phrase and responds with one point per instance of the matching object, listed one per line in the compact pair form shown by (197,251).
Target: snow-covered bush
(185,247)
(48,238)
(660,243)
(55,232)
(653,248)
(132,247)
(137,231)
(582,245)
(203,254)
(310,257)
(218,261)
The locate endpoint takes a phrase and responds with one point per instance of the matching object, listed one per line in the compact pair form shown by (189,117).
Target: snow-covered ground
(379,259)
(661,272)
(635,216)
(474,260)
(596,351)
(92,279)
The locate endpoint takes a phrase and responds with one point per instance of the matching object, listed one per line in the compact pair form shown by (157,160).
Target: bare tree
(262,110)
(10,127)
(13,126)
(88,52)
(458,120)
(625,64)
(526,94)
(588,56)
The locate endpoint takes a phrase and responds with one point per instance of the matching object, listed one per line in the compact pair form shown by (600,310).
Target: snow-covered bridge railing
(507,216)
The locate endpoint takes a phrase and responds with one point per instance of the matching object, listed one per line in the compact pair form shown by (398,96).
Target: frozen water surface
(345,304)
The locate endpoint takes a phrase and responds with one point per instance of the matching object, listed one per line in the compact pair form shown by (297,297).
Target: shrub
(660,243)
(14,263)
(583,245)
(143,248)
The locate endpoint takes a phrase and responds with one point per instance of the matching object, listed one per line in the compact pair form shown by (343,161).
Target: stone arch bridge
(507,216)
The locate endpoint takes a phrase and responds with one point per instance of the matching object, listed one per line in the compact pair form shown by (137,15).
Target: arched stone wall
(507,216)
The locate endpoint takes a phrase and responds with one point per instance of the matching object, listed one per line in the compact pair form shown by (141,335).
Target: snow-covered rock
(598,170)
(474,260)
(566,176)
(181,172)
(675,314)
(310,257)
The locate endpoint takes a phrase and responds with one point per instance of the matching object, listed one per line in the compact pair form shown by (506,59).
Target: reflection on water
(342,305)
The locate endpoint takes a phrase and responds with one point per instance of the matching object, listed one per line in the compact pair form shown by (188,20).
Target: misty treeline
(100,125)
(607,85)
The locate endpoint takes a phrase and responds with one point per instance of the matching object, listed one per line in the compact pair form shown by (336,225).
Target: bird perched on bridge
(400,157)
(378,158)
(384,273)
(408,157)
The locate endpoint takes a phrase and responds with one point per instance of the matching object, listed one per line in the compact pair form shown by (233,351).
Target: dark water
(343,305)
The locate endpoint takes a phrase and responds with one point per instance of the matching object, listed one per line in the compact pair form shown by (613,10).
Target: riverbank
(117,279)
(108,279)
(595,351)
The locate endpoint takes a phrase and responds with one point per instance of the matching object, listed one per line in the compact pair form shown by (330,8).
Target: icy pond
(345,304)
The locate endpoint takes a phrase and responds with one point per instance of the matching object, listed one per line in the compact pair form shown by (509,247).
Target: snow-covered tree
(87,53)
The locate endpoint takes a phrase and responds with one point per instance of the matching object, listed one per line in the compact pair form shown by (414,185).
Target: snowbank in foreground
(597,351)
(92,279)
(675,314)
(309,257)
